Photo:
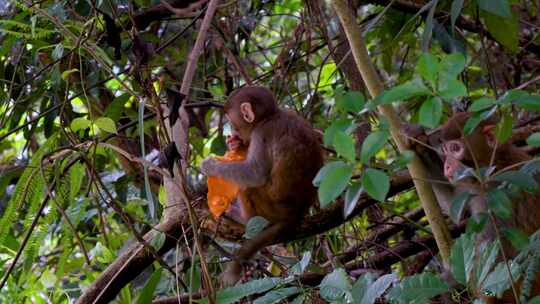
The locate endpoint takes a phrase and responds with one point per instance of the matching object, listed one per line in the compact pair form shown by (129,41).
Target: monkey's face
(454,152)
(239,128)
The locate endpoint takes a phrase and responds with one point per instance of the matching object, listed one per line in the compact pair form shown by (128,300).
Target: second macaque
(275,179)
(481,150)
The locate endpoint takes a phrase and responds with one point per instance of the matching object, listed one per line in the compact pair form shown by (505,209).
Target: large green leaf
(418,289)
(335,180)
(462,258)
(505,29)
(403,92)
(529,102)
(372,144)
(428,67)
(458,203)
(106,124)
(351,198)
(351,101)
(238,292)
(276,296)
(518,178)
(534,140)
(431,112)
(499,203)
(498,7)
(452,88)
(147,293)
(343,125)
(344,145)
(376,183)
(335,285)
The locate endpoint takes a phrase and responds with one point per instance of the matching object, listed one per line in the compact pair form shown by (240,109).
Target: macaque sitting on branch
(275,179)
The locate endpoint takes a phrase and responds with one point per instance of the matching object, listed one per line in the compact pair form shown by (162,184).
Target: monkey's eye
(454,148)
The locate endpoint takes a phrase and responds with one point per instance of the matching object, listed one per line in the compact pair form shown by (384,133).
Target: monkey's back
(296,156)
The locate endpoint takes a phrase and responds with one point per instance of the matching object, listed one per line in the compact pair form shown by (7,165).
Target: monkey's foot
(231,275)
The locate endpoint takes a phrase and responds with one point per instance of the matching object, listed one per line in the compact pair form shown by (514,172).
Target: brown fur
(284,155)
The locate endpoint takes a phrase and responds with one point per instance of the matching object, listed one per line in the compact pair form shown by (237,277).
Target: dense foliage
(83,88)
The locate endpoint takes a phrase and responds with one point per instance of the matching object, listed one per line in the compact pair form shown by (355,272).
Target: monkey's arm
(252,172)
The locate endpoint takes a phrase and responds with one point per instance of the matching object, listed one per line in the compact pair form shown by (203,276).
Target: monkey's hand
(209,166)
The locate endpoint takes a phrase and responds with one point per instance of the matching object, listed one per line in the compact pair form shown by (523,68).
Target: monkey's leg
(233,270)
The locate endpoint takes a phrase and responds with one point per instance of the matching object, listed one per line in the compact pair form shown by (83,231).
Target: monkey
(480,149)
(275,179)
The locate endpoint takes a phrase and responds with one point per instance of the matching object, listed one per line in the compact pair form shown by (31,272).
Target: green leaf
(503,129)
(428,26)
(344,145)
(65,74)
(340,125)
(418,288)
(462,258)
(76,176)
(499,279)
(498,7)
(238,292)
(335,180)
(513,95)
(451,66)
(534,140)
(275,296)
(376,183)
(499,203)
(254,226)
(455,11)
(518,238)
(147,293)
(301,266)
(80,123)
(519,179)
(459,202)
(376,289)
(351,198)
(488,256)
(372,144)
(504,29)
(158,240)
(402,92)
(431,112)
(482,104)
(335,285)
(476,118)
(351,101)
(451,89)
(535,300)
(106,124)
(361,286)
(58,51)
(529,102)
(428,67)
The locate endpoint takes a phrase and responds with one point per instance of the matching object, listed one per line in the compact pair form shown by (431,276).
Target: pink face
(454,152)
(239,128)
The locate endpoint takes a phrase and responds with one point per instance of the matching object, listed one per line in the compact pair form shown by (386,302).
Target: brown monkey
(476,151)
(284,155)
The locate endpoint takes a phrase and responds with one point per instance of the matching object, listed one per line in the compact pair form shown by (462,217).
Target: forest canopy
(108,108)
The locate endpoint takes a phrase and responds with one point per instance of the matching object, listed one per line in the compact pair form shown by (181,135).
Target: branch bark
(375,87)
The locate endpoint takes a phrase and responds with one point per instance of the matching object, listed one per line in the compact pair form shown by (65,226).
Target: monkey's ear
(247,112)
